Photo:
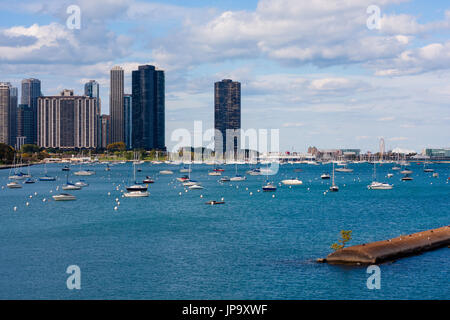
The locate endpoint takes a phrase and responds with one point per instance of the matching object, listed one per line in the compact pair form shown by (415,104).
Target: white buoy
(246,189)
(35,193)
(51,191)
(258,190)
(31,196)
(43,200)
(117,199)
(201,196)
(109,193)
(222,199)
(273,196)
(251,193)
(118,203)
(180,193)
(115,208)
(15,208)
(27,204)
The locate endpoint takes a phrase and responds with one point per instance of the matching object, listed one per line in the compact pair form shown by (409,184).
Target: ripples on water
(169,246)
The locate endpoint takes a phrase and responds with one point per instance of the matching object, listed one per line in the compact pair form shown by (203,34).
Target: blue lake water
(169,246)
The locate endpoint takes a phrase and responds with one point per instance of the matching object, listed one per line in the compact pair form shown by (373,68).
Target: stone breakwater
(392,249)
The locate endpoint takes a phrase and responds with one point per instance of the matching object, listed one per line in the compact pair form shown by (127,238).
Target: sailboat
(46,177)
(334,187)
(269,186)
(237,177)
(136,186)
(70,185)
(378,185)
(425,169)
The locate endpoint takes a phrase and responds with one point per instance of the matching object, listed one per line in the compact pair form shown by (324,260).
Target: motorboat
(407,178)
(219,169)
(269,187)
(406,171)
(292,182)
(30,181)
(380,186)
(390,175)
(84,173)
(325,176)
(137,187)
(65,168)
(396,168)
(185,170)
(148,180)
(190,183)
(254,172)
(183,178)
(224,179)
(14,185)
(238,178)
(166,172)
(196,187)
(64,197)
(81,183)
(70,186)
(344,169)
(214,173)
(136,194)
(213,202)
(47,178)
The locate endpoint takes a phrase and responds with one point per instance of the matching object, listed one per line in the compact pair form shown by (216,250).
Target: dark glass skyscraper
(31,91)
(4,112)
(148,108)
(24,124)
(227,115)
(127,118)
(116,105)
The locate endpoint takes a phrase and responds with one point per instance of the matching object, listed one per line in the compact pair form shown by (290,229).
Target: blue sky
(309,68)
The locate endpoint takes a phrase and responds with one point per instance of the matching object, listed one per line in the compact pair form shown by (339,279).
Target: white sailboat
(334,187)
(378,185)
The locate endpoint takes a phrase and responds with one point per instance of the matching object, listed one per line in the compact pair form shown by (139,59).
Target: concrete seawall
(392,249)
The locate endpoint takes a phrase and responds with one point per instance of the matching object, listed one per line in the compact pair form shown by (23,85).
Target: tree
(29,148)
(116,146)
(6,153)
(346,236)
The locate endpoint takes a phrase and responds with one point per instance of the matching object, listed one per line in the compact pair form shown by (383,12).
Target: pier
(392,249)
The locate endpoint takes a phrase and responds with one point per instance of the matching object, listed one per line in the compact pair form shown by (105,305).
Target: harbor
(228,240)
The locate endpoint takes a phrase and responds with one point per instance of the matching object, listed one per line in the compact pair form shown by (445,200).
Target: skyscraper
(127,119)
(148,108)
(24,125)
(31,91)
(68,121)
(92,89)
(227,116)
(13,99)
(4,112)
(116,105)
(105,130)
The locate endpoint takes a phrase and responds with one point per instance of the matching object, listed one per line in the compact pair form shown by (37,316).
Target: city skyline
(348,90)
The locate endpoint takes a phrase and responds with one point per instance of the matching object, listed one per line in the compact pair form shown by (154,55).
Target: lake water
(169,246)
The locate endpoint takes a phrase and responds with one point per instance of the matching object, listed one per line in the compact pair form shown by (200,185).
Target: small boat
(292,182)
(81,183)
(334,187)
(325,176)
(344,169)
(390,175)
(238,178)
(380,186)
(214,173)
(137,187)
(435,175)
(269,187)
(64,197)
(189,183)
(406,171)
(224,179)
(65,168)
(219,169)
(185,170)
(136,194)
(84,173)
(47,178)
(29,181)
(183,178)
(148,180)
(70,186)
(298,170)
(254,172)
(196,187)
(396,168)
(166,172)
(212,202)
(407,178)
(14,185)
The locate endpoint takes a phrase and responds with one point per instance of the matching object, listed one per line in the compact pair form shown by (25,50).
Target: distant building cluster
(70,121)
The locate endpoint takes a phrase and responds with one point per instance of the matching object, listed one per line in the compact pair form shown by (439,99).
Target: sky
(311,68)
